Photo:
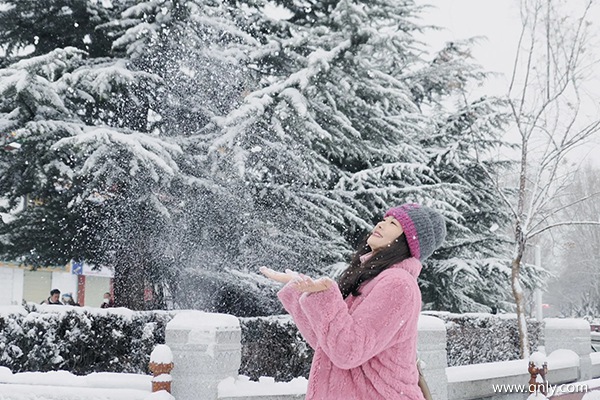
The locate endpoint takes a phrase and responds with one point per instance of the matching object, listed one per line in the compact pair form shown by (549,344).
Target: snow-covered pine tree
(471,273)
(330,133)
(328,106)
(96,184)
(284,149)
(30,98)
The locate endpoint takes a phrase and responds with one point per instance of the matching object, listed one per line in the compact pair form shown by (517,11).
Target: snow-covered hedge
(84,340)
(475,338)
(79,339)
(272,346)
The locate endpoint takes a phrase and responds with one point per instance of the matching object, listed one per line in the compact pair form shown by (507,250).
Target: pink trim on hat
(408,226)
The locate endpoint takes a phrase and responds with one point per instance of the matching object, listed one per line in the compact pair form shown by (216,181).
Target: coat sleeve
(290,298)
(350,340)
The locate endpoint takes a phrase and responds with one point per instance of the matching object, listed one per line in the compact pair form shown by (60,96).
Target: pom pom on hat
(424,228)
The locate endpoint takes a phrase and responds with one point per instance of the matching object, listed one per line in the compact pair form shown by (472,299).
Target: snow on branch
(51,65)
(408,172)
(104,79)
(257,102)
(132,41)
(566,206)
(222,25)
(154,154)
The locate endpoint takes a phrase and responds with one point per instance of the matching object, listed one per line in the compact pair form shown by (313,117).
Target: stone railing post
(161,364)
(206,349)
(432,351)
(570,334)
(538,369)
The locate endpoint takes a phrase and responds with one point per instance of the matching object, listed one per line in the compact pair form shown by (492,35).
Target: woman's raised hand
(279,276)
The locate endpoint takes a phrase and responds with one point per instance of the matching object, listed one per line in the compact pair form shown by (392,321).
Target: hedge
(80,340)
(273,347)
(479,338)
(85,340)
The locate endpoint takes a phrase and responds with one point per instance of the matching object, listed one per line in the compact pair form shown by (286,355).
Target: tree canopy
(186,143)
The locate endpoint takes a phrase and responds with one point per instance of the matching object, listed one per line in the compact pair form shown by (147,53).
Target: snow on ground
(41,392)
(486,370)
(65,378)
(266,386)
(62,385)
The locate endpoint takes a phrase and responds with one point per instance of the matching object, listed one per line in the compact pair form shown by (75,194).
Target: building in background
(87,285)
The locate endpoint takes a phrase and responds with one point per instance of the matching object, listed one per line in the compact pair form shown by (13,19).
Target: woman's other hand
(306,284)
(278,276)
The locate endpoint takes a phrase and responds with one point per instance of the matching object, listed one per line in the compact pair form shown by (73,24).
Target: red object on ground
(81,289)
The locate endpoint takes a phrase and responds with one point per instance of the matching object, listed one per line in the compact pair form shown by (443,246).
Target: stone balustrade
(207,351)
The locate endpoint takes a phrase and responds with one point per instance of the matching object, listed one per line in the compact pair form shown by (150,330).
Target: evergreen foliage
(288,359)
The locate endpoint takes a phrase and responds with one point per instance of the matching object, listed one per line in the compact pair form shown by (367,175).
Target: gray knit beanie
(424,228)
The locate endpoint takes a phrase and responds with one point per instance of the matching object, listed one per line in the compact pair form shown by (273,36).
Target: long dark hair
(357,273)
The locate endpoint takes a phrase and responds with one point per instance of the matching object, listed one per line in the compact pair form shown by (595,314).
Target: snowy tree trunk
(520,301)
(129,283)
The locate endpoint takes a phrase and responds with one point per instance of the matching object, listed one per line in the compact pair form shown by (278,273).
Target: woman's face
(384,233)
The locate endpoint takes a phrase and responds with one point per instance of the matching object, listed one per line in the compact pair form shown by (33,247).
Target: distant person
(54,298)
(108,301)
(67,299)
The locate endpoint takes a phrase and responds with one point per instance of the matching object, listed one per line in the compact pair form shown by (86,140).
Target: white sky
(498,21)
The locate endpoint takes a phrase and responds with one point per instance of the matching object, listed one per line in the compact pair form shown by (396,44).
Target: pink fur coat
(365,346)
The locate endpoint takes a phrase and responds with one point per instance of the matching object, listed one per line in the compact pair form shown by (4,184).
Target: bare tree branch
(535,233)
(557,210)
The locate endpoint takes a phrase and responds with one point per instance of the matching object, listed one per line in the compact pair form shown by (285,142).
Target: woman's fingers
(301,282)
(265,270)
(276,276)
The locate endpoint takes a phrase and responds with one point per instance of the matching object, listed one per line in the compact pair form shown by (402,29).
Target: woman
(364,327)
